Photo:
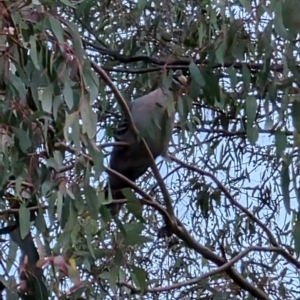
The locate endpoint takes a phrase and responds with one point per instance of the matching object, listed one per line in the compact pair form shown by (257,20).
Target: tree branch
(180,63)
(229,197)
(196,280)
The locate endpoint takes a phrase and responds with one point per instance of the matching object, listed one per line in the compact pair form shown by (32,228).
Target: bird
(154,121)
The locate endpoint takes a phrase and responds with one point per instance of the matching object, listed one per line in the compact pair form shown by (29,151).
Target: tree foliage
(230,188)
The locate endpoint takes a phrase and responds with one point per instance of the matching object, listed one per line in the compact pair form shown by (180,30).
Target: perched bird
(154,118)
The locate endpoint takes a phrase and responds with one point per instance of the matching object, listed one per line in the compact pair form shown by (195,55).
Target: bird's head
(179,83)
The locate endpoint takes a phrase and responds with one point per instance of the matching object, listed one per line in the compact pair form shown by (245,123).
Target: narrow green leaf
(68,218)
(280,143)
(76,42)
(33,52)
(139,276)
(296,234)
(92,201)
(251,108)
(89,120)
(290,16)
(232,76)
(57,31)
(285,182)
(89,239)
(246,76)
(97,157)
(68,94)
(56,105)
(47,98)
(24,217)
(134,228)
(23,139)
(75,134)
(212,88)
(196,74)
(296,114)
(278,22)
(59,205)
(133,205)
(136,240)
(91,81)
(296,136)
(18,84)
(114,275)
(119,258)
(184,107)
(140,7)
(194,90)
(40,221)
(221,51)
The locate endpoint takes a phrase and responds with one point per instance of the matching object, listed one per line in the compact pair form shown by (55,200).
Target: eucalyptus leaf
(296,234)
(196,74)
(285,182)
(24,219)
(47,98)
(92,201)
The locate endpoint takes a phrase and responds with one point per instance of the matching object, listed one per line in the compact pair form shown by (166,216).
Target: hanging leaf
(295,114)
(33,52)
(133,205)
(141,4)
(285,182)
(251,110)
(196,74)
(280,143)
(57,30)
(68,94)
(278,22)
(252,134)
(92,201)
(91,81)
(139,277)
(296,234)
(89,119)
(23,139)
(24,218)
(97,157)
(47,98)
(246,76)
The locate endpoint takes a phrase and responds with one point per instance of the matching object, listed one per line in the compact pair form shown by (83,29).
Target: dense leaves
(68,68)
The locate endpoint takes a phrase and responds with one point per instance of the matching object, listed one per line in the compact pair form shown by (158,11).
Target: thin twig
(218,270)
(229,197)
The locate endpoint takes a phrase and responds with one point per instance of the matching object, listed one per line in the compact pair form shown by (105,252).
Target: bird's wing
(122,126)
